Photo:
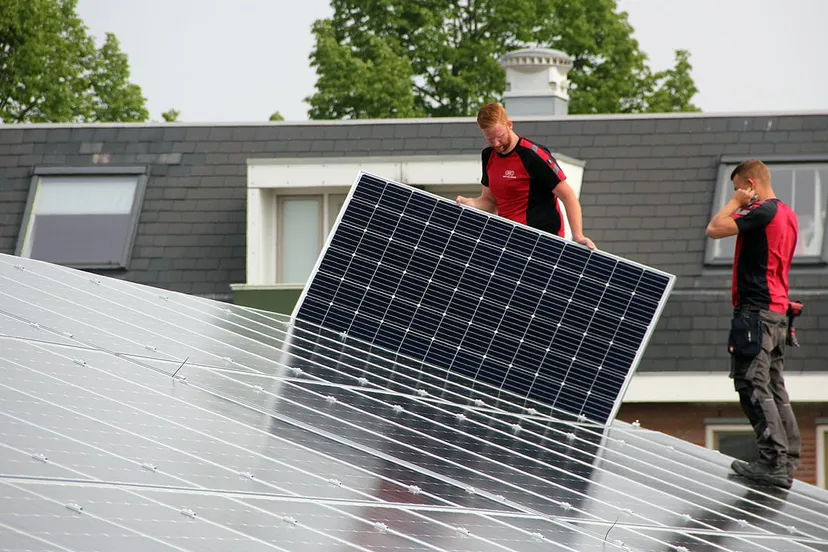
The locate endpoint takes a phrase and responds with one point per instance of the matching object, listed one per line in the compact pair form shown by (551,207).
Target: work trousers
(761,387)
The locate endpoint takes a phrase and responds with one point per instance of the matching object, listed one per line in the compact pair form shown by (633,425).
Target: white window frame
(139,172)
(712,428)
(821,452)
(326,220)
(267,178)
(724,190)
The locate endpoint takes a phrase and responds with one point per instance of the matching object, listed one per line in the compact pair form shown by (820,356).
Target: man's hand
(743,196)
(583,240)
(465,201)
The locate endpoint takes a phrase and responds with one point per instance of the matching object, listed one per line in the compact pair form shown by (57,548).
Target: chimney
(536,82)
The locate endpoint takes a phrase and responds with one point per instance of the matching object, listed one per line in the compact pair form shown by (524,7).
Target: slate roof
(647,195)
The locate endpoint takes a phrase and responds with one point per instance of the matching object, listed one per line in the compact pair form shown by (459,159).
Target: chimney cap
(536,56)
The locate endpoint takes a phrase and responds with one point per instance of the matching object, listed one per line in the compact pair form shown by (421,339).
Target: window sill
(85,266)
(265,287)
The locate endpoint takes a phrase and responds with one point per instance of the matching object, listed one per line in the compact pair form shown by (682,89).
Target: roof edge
(431,120)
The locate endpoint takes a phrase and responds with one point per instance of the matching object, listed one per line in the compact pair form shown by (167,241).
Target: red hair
(491,115)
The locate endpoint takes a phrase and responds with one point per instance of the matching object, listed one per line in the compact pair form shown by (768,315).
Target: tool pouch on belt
(745,335)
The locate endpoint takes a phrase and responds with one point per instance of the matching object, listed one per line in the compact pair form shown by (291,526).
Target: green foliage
(276,116)
(399,58)
(51,70)
(674,88)
(366,80)
(171,115)
(113,97)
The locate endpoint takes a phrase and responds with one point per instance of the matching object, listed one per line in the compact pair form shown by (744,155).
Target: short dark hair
(751,168)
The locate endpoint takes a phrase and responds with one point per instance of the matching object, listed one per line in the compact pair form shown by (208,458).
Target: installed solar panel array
(518,311)
(137,419)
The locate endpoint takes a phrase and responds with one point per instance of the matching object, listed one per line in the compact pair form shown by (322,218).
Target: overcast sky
(240,60)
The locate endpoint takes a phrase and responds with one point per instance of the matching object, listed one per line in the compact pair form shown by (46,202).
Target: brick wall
(686,421)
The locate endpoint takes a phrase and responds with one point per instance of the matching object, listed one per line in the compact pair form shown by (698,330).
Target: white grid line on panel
(734,521)
(482,294)
(495,418)
(428,284)
(414,391)
(575,356)
(425,338)
(365,230)
(144,412)
(615,333)
(179,329)
(482,301)
(404,272)
(549,345)
(230,471)
(221,466)
(415,467)
(390,239)
(440,385)
(448,444)
(604,460)
(96,516)
(33,537)
(330,458)
(470,324)
(382,185)
(532,314)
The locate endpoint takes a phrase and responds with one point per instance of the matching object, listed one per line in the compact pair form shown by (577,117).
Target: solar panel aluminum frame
(671,278)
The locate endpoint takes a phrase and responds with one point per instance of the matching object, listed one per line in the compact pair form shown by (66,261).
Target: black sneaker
(764,474)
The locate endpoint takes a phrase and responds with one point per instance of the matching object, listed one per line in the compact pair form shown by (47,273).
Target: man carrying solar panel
(767,232)
(522,181)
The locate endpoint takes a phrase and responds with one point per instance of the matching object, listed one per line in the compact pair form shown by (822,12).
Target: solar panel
(517,310)
(133,418)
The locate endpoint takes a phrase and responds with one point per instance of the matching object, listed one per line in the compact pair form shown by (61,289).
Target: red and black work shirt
(764,249)
(522,181)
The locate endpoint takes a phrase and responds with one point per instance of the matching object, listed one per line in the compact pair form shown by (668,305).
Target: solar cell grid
(102,449)
(523,312)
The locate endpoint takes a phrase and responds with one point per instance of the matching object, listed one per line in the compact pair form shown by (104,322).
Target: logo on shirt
(509,173)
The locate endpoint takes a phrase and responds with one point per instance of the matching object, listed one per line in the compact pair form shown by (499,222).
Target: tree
(113,97)
(276,116)
(171,115)
(674,88)
(366,82)
(397,58)
(51,70)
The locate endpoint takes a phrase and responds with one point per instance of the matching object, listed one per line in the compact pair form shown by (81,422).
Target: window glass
(738,444)
(81,221)
(804,188)
(300,237)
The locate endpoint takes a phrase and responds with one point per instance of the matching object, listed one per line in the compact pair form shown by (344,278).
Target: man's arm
(542,166)
(485,201)
(723,225)
(730,220)
(573,212)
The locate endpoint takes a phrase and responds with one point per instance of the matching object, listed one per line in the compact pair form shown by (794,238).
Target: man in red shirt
(767,231)
(522,181)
